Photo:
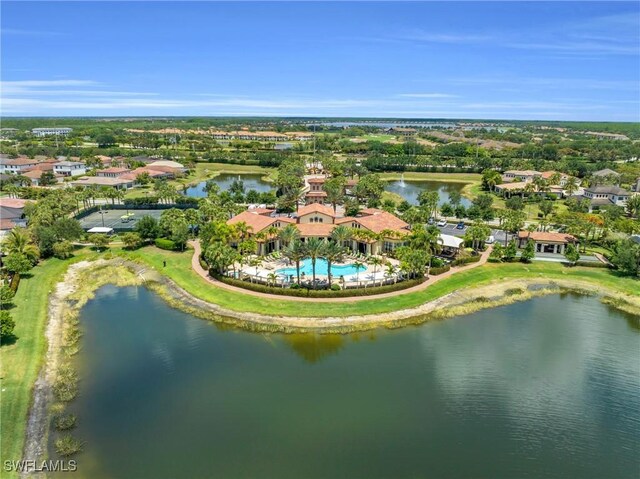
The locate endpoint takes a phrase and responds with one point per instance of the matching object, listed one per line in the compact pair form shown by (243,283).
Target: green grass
(22,360)
(372,137)
(179,270)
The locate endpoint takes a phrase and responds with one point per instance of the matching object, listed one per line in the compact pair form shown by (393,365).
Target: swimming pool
(321,269)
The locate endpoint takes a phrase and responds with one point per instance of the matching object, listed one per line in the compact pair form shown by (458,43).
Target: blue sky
(555,61)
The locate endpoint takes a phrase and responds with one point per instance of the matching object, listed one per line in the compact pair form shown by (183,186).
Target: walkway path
(195,264)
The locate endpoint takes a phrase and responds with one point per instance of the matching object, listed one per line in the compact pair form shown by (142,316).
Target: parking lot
(114,219)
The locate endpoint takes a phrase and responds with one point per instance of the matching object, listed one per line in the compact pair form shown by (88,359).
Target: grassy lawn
(372,137)
(21,361)
(179,270)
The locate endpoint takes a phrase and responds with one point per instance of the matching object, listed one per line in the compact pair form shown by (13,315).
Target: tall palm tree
(288,234)
(19,242)
(333,252)
(358,265)
(295,253)
(315,249)
(376,261)
(341,234)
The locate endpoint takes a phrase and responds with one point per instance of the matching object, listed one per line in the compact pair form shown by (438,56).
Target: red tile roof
(315,229)
(256,222)
(544,236)
(316,208)
(12,202)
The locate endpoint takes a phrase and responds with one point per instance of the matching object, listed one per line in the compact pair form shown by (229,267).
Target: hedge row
(592,264)
(319,293)
(15,282)
(466,260)
(439,270)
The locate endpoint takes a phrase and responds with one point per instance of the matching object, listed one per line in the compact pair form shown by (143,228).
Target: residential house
(525,176)
(112,172)
(401,131)
(605,195)
(70,168)
(119,183)
(18,165)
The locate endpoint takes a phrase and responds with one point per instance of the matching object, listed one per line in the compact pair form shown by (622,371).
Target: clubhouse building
(374,231)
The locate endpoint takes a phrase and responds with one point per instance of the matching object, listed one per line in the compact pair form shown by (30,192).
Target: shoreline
(73,291)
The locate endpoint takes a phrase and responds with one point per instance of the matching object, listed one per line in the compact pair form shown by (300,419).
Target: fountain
(402,183)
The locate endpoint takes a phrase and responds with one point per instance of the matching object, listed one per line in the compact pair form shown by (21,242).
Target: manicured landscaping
(179,270)
(22,360)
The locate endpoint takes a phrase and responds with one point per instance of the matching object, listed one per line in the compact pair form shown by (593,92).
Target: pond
(410,189)
(546,388)
(224,181)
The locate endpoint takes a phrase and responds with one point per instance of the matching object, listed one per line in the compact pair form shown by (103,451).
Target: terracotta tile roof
(315,208)
(522,172)
(261,211)
(6,224)
(12,202)
(377,221)
(517,185)
(254,221)
(316,180)
(21,161)
(315,229)
(40,167)
(547,236)
(320,194)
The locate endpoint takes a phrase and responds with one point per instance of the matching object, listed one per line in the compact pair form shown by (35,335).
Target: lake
(410,190)
(546,388)
(224,181)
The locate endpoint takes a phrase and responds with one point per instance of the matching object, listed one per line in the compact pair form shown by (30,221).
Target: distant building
(17,165)
(605,195)
(51,131)
(70,168)
(402,131)
(525,176)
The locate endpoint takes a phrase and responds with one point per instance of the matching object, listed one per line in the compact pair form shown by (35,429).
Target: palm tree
(12,190)
(358,265)
(341,234)
(572,185)
(375,261)
(255,262)
(288,234)
(315,249)
(272,278)
(19,242)
(333,252)
(295,253)
(390,272)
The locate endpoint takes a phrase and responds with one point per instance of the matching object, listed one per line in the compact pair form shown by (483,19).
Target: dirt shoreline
(456,303)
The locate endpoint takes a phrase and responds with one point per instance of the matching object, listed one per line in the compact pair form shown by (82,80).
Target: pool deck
(195,264)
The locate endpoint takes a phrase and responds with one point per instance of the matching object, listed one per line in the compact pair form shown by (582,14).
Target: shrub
(514,291)
(437,262)
(64,422)
(131,240)
(7,325)
(439,270)
(164,243)
(63,250)
(465,260)
(67,445)
(335,287)
(294,290)
(6,296)
(65,387)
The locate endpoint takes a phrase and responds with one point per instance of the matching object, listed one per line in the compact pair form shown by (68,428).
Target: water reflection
(224,181)
(545,388)
(410,190)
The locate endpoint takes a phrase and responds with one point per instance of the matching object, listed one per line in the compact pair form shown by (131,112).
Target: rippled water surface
(224,181)
(410,190)
(547,388)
